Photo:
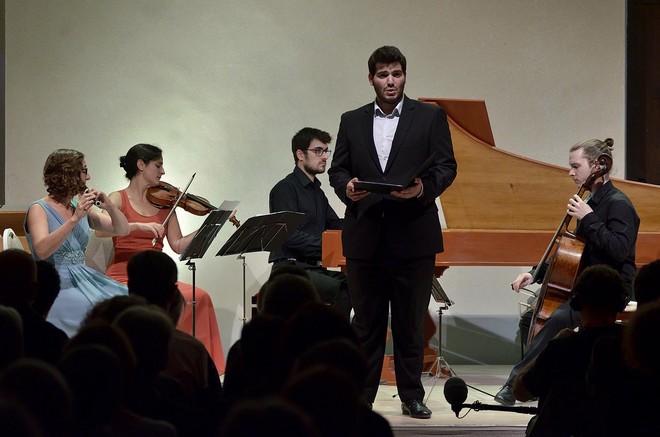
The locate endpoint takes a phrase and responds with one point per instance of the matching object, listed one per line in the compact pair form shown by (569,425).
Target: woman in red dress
(144,167)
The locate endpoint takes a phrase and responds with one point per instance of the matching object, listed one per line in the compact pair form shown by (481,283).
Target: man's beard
(313,171)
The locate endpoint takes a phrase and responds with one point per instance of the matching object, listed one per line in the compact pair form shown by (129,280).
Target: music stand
(440,367)
(265,232)
(202,241)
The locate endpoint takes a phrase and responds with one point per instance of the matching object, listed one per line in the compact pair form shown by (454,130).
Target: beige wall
(222,86)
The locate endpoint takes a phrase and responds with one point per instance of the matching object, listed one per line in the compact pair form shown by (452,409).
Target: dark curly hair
(62,173)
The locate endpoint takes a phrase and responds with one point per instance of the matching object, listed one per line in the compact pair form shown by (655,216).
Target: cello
(565,253)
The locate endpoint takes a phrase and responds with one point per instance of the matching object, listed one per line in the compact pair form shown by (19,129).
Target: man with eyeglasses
(301,191)
(390,239)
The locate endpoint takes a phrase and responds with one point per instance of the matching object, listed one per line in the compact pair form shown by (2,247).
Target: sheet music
(208,231)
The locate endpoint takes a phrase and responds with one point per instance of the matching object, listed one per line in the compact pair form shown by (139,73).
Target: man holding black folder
(390,240)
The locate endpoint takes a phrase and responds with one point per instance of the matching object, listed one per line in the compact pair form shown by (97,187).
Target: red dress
(206,325)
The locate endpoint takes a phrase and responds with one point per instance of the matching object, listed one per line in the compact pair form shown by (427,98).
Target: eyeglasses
(84,170)
(319,151)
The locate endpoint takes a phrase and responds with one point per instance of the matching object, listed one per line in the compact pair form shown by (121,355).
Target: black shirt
(610,232)
(298,193)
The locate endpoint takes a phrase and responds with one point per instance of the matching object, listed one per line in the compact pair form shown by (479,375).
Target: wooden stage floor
(444,421)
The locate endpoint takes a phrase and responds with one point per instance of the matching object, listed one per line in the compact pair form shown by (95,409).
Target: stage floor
(444,421)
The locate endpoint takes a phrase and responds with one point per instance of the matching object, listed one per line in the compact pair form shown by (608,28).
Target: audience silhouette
(558,375)
(251,371)
(297,369)
(18,287)
(41,390)
(48,287)
(11,336)
(617,386)
(267,417)
(153,276)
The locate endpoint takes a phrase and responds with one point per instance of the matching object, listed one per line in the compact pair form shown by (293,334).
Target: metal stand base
(440,368)
(193,303)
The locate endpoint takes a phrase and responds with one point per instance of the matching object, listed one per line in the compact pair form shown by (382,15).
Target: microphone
(456,393)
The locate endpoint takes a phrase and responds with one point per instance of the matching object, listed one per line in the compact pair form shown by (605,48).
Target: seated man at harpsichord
(300,191)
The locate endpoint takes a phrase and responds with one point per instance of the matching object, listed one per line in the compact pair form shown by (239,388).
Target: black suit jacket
(404,228)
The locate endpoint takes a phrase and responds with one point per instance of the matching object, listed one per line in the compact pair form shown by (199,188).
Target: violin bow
(167,219)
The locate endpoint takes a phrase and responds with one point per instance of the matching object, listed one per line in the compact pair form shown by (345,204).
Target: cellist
(608,225)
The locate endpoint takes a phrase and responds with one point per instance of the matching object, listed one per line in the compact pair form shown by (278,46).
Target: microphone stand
(478,406)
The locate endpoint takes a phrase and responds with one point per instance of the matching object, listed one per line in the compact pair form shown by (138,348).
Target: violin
(166,196)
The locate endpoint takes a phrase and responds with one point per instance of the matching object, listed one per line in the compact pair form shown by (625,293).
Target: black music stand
(265,232)
(202,241)
(440,367)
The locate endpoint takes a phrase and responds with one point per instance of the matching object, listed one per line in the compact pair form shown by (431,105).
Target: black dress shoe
(415,409)
(505,396)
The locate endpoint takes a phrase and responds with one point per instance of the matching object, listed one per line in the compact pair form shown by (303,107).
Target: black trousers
(562,317)
(403,287)
(331,285)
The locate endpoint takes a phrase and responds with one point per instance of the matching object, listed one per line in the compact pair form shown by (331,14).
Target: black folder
(386,188)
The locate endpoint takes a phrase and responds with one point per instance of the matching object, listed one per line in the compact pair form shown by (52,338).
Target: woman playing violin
(143,164)
(57,230)
(608,225)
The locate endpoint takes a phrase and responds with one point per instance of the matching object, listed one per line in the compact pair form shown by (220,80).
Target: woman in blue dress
(57,229)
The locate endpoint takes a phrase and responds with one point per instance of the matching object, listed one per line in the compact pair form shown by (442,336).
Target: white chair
(99,252)
(10,240)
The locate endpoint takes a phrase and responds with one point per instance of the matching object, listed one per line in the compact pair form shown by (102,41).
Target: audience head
(258,345)
(176,308)
(139,152)
(288,269)
(107,310)
(279,270)
(96,379)
(48,287)
(285,293)
(11,336)
(337,411)
(340,354)
(152,274)
(314,323)
(19,278)
(641,339)
(44,393)
(110,337)
(267,417)
(149,331)
(311,325)
(16,421)
(646,285)
(599,288)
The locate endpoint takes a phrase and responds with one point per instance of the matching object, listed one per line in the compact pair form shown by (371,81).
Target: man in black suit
(390,240)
